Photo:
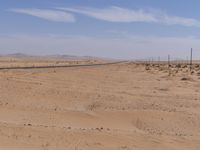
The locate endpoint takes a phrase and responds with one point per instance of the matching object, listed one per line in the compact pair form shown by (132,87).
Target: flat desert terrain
(125,106)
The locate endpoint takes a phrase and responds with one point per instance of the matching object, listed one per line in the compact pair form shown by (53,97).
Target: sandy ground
(33,61)
(114,107)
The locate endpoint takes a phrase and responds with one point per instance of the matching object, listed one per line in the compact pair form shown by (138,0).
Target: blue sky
(104,28)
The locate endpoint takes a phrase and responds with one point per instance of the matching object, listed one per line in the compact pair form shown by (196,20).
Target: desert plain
(123,106)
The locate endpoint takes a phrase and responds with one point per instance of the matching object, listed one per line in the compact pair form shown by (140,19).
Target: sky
(124,29)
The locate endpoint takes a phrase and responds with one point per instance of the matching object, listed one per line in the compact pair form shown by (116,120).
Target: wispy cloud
(114,14)
(51,15)
(118,14)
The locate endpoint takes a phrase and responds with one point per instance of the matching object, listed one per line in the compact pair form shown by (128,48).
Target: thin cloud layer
(110,14)
(50,15)
(118,14)
(114,14)
(130,47)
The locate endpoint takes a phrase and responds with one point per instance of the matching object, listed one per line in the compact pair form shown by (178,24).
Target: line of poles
(189,62)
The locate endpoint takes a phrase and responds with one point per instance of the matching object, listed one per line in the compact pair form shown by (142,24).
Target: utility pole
(191,60)
(168,61)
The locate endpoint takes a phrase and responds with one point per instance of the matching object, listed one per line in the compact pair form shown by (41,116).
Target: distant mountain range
(16,55)
(64,57)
